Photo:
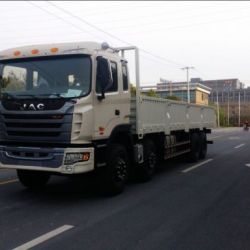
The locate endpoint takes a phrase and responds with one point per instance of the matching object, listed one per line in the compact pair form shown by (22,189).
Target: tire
(114,175)
(33,179)
(146,170)
(203,146)
(194,147)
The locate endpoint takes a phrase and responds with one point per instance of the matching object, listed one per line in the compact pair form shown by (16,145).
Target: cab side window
(114,86)
(125,76)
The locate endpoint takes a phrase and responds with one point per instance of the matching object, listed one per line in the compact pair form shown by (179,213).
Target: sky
(211,36)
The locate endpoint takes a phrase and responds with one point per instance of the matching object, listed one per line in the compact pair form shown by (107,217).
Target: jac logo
(32,106)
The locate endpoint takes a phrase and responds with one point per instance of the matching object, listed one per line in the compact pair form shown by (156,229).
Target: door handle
(117,112)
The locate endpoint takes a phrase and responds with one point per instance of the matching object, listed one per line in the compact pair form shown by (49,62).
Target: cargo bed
(162,115)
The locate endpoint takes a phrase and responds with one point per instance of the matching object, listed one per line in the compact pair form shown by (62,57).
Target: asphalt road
(186,206)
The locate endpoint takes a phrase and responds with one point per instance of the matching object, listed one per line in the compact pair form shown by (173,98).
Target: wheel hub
(151,160)
(121,170)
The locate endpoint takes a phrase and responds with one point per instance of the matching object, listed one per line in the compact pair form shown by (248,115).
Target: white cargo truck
(67,109)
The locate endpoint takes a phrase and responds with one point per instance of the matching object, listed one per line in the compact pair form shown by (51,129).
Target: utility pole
(228,108)
(218,109)
(239,108)
(188,91)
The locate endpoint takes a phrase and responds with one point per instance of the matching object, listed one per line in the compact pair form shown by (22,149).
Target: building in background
(233,97)
(220,84)
(235,104)
(216,85)
(199,94)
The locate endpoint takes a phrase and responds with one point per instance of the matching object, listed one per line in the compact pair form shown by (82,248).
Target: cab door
(113,110)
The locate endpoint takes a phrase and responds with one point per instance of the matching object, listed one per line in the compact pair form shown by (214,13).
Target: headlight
(72,158)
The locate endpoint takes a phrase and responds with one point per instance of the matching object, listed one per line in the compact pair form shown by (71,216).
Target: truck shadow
(86,187)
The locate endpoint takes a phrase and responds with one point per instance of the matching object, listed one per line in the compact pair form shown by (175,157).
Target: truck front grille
(32,125)
(33,134)
(39,127)
(28,154)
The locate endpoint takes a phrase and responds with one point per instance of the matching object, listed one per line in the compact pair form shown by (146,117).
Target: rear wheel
(114,176)
(203,147)
(146,170)
(194,147)
(33,179)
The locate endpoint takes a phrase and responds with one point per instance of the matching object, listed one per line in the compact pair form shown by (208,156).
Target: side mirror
(104,76)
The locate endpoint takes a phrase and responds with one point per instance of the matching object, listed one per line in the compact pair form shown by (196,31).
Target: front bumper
(44,159)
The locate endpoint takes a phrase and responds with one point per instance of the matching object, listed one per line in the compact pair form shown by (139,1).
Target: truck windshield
(46,77)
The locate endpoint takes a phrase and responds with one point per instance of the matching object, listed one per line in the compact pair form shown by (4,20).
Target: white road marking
(8,181)
(44,237)
(248,165)
(217,136)
(239,146)
(234,138)
(196,166)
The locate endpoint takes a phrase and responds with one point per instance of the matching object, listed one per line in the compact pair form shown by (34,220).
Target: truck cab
(57,101)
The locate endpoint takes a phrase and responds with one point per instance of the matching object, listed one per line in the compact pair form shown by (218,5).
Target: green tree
(132,90)
(173,97)
(223,117)
(152,93)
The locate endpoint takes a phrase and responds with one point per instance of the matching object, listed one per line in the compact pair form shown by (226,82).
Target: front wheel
(33,179)
(114,176)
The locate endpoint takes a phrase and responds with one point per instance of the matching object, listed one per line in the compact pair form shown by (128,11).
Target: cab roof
(56,49)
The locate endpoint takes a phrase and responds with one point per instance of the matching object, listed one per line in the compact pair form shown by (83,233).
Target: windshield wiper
(53,94)
(15,96)
(8,95)
(29,95)
(60,96)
